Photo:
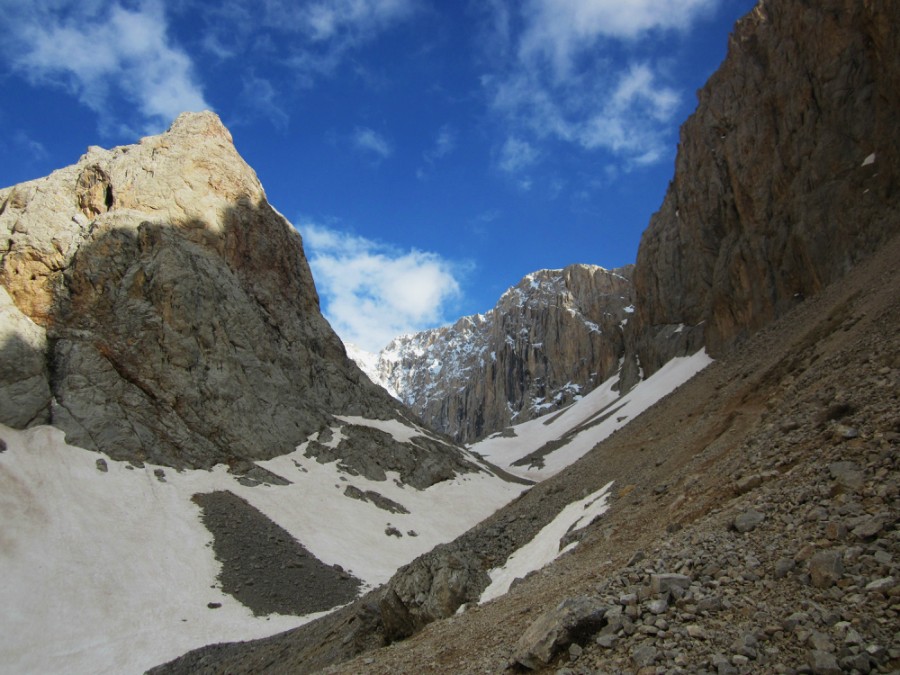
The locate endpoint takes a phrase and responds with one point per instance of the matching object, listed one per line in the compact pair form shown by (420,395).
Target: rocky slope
(156,308)
(550,339)
(786,175)
(753,527)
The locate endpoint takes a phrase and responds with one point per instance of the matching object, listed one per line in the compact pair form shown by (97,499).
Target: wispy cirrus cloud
(372,292)
(558,74)
(516,155)
(373,143)
(101,52)
(324,34)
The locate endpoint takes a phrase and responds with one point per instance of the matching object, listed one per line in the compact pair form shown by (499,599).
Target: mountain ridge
(551,338)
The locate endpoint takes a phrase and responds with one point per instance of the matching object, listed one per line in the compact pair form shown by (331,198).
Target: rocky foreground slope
(550,339)
(753,525)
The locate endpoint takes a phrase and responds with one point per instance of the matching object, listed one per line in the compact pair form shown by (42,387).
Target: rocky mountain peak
(551,338)
(159,309)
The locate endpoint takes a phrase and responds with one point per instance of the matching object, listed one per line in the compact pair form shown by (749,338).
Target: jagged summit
(167,311)
(550,339)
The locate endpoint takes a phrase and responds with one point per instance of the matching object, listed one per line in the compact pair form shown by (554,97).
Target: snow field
(503,451)
(111,572)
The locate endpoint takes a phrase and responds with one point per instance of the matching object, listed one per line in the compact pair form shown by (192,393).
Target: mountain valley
(689,464)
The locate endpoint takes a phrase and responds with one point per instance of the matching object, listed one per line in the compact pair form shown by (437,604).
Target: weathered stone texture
(161,310)
(553,336)
(786,175)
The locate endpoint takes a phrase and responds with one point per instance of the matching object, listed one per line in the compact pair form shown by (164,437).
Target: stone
(783,567)
(823,663)
(868,528)
(748,483)
(607,641)
(826,568)
(748,520)
(836,531)
(658,606)
(696,632)
(644,655)
(573,619)
(879,585)
(846,474)
(101,465)
(665,583)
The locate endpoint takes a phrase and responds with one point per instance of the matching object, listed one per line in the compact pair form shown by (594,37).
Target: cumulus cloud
(99,50)
(372,292)
(558,79)
(372,142)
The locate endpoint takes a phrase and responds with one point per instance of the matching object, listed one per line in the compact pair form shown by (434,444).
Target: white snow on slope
(544,548)
(601,404)
(112,572)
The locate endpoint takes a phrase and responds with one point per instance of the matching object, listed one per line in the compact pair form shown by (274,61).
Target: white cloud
(360,18)
(562,76)
(102,50)
(558,29)
(261,98)
(444,144)
(372,292)
(371,141)
(329,31)
(516,155)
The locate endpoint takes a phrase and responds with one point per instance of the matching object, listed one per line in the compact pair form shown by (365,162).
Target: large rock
(782,178)
(182,323)
(554,336)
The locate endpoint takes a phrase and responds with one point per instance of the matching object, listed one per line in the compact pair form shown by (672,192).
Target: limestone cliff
(552,337)
(157,308)
(786,175)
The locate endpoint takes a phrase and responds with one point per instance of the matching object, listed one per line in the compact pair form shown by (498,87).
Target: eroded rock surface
(156,308)
(786,175)
(552,337)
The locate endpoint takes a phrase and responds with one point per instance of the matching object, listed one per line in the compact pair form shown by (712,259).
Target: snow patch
(590,420)
(544,548)
(112,572)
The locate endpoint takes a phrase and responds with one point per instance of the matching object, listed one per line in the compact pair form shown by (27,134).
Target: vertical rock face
(786,175)
(552,337)
(157,308)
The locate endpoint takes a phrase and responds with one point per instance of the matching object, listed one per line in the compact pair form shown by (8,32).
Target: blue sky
(431,152)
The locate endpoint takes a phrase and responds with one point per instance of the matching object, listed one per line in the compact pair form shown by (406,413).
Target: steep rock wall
(156,308)
(786,175)
(555,335)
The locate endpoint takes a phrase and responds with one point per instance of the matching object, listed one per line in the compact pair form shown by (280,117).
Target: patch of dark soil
(263,566)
